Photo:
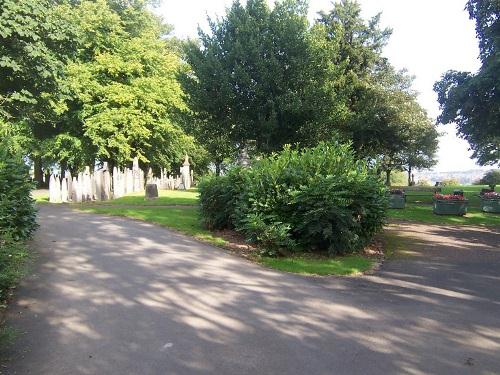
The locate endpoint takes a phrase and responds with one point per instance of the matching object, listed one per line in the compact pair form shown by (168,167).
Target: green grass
(419,209)
(423,214)
(182,219)
(7,336)
(349,265)
(166,198)
(13,260)
(471,192)
(40,196)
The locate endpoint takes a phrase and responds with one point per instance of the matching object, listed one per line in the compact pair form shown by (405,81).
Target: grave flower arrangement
(397,198)
(397,191)
(491,195)
(490,202)
(449,204)
(449,197)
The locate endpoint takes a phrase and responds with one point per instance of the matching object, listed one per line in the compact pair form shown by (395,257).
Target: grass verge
(348,265)
(13,260)
(423,213)
(13,257)
(182,219)
(166,198)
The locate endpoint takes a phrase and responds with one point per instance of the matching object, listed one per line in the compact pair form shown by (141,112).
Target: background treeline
(102,80)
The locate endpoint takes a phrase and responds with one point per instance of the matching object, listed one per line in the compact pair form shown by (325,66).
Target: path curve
(110,295)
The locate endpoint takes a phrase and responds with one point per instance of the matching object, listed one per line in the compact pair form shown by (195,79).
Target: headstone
(87,186)
(52,188)
(80,187)
(98,185)
(69,179)
(64,190)
(151,191)
(75,191)
(136,175)
(57,190)
(106,183)
(185,174)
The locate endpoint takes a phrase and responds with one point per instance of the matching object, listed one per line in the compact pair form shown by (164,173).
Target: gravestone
(64,190)
(76,194)
(151,191)
(106,182)
(69,179)
(57,190)
(185,175)
(98,185)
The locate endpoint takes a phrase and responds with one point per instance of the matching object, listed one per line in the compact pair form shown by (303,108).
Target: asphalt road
(117,296)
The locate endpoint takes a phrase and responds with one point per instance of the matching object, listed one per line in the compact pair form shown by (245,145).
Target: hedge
(313,199)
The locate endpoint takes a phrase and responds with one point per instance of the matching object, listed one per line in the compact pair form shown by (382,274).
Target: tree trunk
(217,168)
(38,173)
(64,168)
(388,177)
(409,175)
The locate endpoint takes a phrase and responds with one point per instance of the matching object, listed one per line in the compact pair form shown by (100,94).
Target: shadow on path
(116,296)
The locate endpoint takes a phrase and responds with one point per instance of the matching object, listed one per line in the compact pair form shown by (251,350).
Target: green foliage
(472,100)
(218,198)
(315,199)
(491,178)
(255,77)
(423,182)
(398,179)
(17,211)
(450,182)
(13,255)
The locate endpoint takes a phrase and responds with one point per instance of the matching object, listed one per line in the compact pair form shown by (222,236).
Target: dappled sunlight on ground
(115,296)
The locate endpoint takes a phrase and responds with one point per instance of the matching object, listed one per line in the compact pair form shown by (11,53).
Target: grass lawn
(419,208)
(166,198)
(183,219)
(40,195)
(348,265)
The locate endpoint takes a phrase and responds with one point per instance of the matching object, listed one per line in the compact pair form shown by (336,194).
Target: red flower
(449,197)
(491,195)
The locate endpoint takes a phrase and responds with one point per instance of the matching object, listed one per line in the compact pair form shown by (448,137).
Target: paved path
(116,296)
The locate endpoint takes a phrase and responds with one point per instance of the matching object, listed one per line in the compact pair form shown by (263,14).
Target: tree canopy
(92,81)
(266,75)
(472,100)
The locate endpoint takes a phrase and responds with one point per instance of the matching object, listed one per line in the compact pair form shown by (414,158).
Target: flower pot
(490,205)
(450,207)
(397,201)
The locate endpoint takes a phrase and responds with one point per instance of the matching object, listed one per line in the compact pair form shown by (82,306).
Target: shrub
(314,199)
(450,182)
(17,211)
(491,178)
(424,182)
(218,197)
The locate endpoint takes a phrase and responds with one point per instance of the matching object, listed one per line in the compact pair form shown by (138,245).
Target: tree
(254,77)
(491,178)
(35,41)
(472,100)
(123,97)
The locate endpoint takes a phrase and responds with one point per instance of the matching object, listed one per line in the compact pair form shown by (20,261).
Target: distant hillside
(465,177)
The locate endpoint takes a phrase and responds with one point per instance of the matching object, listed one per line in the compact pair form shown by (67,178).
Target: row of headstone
(102,185)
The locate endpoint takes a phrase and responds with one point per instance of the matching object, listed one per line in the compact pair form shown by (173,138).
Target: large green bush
(17,211)
(314,199)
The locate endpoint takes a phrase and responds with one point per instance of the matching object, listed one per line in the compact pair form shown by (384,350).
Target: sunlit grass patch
(348,265)
(183,219)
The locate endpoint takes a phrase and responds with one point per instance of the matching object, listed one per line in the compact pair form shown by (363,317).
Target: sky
(429,37)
